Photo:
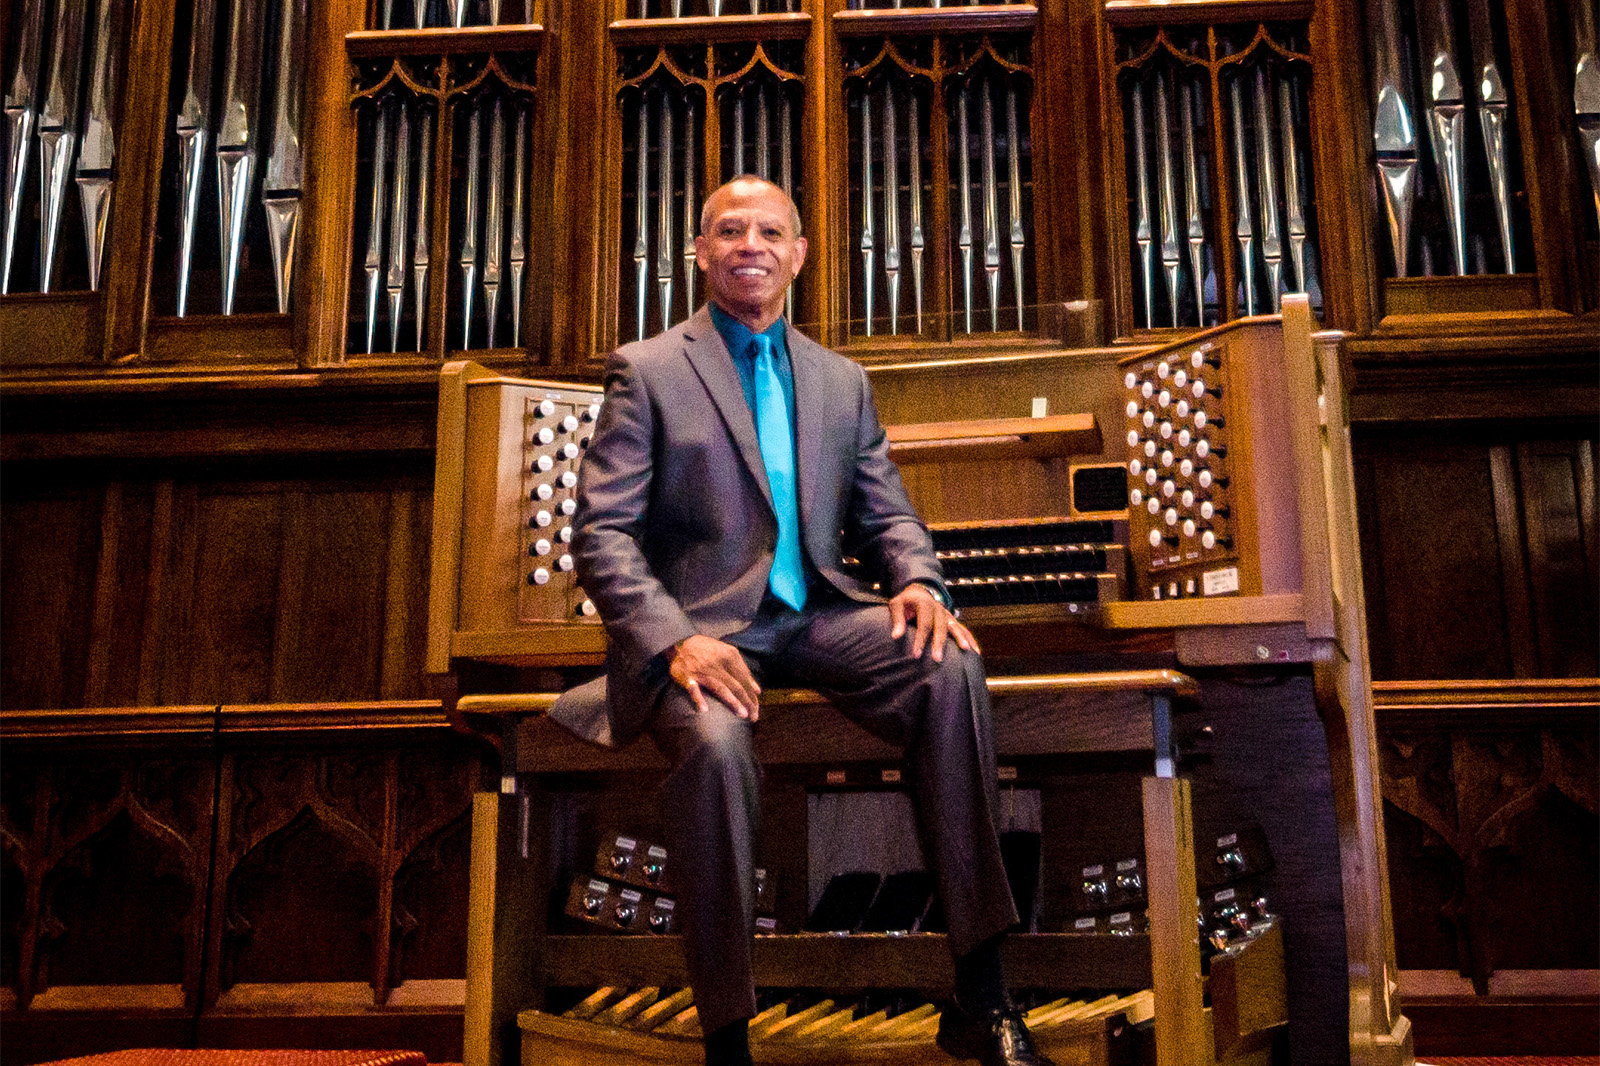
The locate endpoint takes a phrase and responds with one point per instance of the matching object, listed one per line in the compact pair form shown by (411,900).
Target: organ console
(1043,525)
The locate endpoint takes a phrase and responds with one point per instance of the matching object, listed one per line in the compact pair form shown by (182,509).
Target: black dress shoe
(995,1037)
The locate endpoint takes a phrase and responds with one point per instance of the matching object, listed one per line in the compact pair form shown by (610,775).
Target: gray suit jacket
(675,531)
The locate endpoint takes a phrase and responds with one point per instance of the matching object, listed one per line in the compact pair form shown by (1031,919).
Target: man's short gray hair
(705,211)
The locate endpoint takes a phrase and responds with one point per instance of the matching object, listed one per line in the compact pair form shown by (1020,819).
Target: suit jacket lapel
(709,356)
(808,420)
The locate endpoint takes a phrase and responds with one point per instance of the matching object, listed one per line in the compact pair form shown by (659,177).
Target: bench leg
(1183,1037)
(507,909)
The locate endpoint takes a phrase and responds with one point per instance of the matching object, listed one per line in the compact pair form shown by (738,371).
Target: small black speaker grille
(1099,488)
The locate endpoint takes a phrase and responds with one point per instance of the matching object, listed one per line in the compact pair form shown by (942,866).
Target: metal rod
(22,111)
(1393,134)
(641,243)
(1014,186)
(964,238)
(236,139)
(1447,117)
(419,12)
(374,260)
(1244,229)
(891,208)
(866,200)
(194,132)
(519,225)
(387,16)
(738,130)
(1196,226)
(458,12)
(1493,111)
(1294,193)
(785,179)
(494,20)
(665,258)
(691,221)
(1142,232)
(420,240)
(1166,189)
(494,229)
(395,279)
(98,151)
(918,242)
(1267,164)
(991,206)
(285,163)
(58,128)
(469,218)
(1586,91)
(763,134)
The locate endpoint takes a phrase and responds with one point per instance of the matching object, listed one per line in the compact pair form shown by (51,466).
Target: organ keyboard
(1042,528)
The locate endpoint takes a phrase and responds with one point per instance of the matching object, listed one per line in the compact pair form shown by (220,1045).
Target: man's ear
(701,254)
(800,247)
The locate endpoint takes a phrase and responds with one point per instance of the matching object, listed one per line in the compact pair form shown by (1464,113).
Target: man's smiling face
(749,250)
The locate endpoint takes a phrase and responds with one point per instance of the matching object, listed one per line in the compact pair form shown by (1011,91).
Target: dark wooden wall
(230,809)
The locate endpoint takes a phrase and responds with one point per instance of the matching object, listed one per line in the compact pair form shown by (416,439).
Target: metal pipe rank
(1586,92)
(22,112)
(58,128)
(1267,183)
(665,259)
(193,128)
(763,134)
(641,217)
(422,239)
(236,153)
(1393,134)
(738,130)
(1014,187)
(691,221)
(964,238)
(468,260)
(785,181)
(1493,109)
(918,243)
(374,259)
(98,151)
(1171,258)
(519,246)
(991,206)
(1447,117)
(395,277)
(1142,233)
(1196,226)
(494,228)
(891,208)
(1244,229)
(285,163)
(866,201)
(1294,193)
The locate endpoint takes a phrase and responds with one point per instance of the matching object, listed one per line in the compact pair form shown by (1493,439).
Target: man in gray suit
(734,465)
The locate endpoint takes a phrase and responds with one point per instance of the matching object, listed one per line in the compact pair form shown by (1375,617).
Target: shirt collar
(737,336)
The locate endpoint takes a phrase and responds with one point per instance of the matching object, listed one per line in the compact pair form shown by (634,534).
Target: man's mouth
(750,272)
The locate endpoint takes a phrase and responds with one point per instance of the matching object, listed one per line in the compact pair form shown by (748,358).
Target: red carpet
(1513,1060)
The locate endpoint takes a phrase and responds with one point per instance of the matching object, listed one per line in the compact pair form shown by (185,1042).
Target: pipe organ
(286,199)
(1222,209)
(62,101)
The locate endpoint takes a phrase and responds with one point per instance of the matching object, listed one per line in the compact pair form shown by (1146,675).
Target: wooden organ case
(1084,583)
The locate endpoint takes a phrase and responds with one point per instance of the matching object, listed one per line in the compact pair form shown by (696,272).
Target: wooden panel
(1435,555)
(49,538)
(1558,493)
(330,621)
(239,544)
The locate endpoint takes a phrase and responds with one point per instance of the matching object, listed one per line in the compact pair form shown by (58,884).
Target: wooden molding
(929,22)
(1210,12)
(365,44)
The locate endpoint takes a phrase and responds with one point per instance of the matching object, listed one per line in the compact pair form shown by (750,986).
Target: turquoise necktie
(788,579)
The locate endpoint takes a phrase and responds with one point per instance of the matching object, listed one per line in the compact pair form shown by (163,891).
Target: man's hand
(701,664)
(917,605)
